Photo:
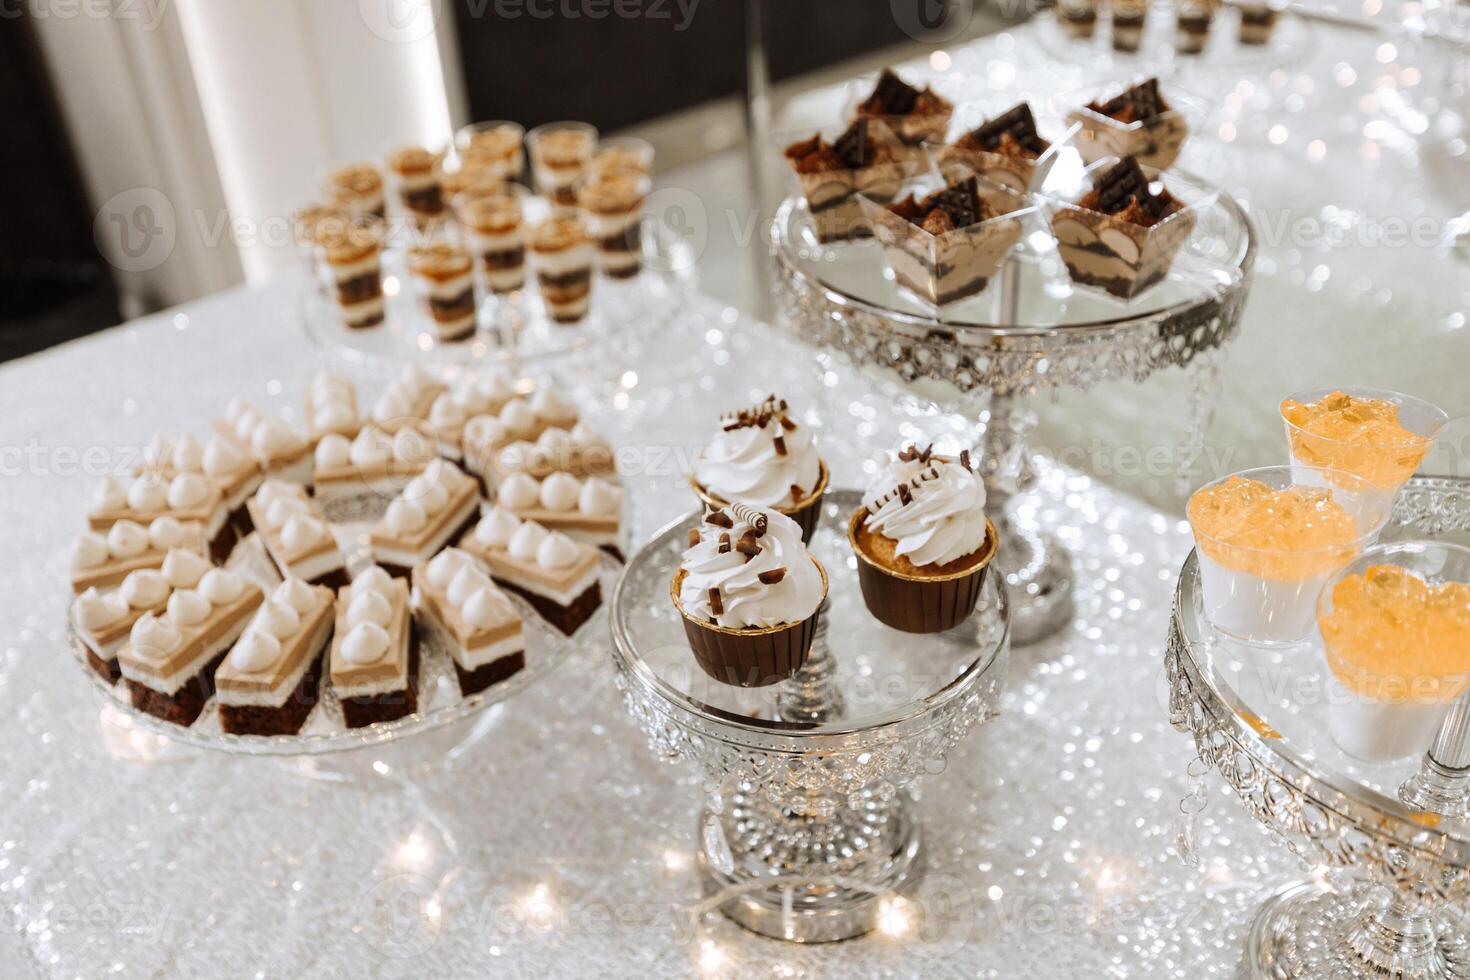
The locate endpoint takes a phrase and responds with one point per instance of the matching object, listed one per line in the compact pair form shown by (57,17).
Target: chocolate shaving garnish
(905,495)
(928,451)
(892,96)
(693,536)
(725,543)
(780,445)
(908,453)
(747,514)
(1123,190)
(719,519)
(965,458)
(773,576)
(1012,133)
(1142,101)
(786,422)
(796,492)
(957,206)
(853,146)
(747,545)
(715,605)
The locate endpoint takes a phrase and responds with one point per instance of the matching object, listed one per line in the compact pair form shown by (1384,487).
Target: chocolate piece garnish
(908,453)
(1012,131)
(892,96)
(715,605)
(779,444)
(965,458)
(773,576)
(905,495)
(853,147)
(786,422)
(796,492)
(719,519)
(928,451)
(957,206)
(1142,101)
(749,515)
(747,544)
(1123,190)
(693,536)
(725,543)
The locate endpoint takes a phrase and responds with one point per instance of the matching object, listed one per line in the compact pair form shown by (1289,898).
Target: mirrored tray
(807,824)
(513,329)
(325,732)
(1259,716)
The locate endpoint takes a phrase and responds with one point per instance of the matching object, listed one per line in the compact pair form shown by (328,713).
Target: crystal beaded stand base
(1031,329)
(1392,881)
(808,824)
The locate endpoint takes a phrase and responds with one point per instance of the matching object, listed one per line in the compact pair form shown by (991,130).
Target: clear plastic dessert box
(1016,173)
(1154,142)
(1125,260)
(1396,634)
(831,193)
(1382,460)
(956,265)
(1268,594)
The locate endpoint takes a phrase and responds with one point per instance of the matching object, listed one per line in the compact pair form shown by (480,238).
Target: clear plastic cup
(560,152)
(1381,470)
(484,143)
(1391,686)
(1267,595)
(621,153)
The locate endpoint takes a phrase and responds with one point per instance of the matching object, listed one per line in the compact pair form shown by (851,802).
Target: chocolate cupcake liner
(917,603)
(755,657)
(805,513)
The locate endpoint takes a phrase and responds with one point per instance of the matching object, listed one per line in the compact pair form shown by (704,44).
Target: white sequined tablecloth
(554,843)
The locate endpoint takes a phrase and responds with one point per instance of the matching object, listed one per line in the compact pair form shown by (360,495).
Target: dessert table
(552,843)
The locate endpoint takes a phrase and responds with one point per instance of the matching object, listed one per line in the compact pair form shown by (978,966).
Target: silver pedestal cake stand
(807,826)
(1387,897)
(1029,330)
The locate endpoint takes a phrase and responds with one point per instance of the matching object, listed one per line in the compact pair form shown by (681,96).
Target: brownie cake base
(185,705)
(108,670)
(374,709)
(477,680)
(564,618)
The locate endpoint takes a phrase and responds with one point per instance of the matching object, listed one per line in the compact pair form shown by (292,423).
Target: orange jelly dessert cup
(1361,434)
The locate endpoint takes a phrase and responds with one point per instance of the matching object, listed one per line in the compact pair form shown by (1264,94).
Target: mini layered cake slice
(562,255)
(102,620)
(915,115)
(169,661)
(462,612)
(444,275)
(296,535)
(270,681)
(232,471)
(407,399)
(187,498)
(865,160)
(435,508)
(580,452)
(356,480)
(331,407)
(585,509)
(558,576)
(375,651)
(281,451)
(101,561)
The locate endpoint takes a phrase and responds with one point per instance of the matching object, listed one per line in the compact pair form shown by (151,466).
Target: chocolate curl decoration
(725,542)
(693,536)
(719,519)
(780,444)
(747,545)
(773,576)
(905,495)
(796,493)
(747,514)
(715,605)
(904,492)
(965,459)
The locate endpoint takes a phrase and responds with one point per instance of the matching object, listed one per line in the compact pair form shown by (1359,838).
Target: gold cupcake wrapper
(804,512)
(921,603)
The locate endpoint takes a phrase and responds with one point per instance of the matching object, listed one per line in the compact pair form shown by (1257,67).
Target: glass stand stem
(812,696)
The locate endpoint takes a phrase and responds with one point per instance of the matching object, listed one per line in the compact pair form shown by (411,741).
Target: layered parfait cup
(1267,546)
(1377,436)
(1395,625)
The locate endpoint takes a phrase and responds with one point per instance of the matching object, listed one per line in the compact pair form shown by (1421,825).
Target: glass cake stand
(1391,882)
(807,824)
(325,732)
(1030,329)
(514,329)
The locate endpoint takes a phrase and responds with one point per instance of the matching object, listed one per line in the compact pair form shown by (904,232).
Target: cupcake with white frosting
(750,594)
(923,541)
(763,457)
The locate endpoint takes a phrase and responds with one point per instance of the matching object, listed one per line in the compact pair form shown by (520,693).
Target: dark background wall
(616,71)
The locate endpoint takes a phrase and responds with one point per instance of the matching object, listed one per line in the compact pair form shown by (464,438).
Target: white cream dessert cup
(1254,607)
(1314,457)
(956,265)
(1380,717)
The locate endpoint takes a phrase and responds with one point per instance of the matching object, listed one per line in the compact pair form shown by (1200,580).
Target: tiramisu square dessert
(169,661)
(282,452)
(915,115)
(415,173)
(101,561)
(1006,150)
(1129,17)
(622,154)
(1123,235)
(296,534)
(612,206)
(559,154)
(555,574)
(352,261)
(355,480)
(495,145)
(866,159)
(444,276)
(187,498)
(374,663)
(102,619)
(945,247)
(1078,18)
(358,187)
(1137,123)
(435,508)
(1257,22)
(462,613)
(1192,25)
(331,407)
(407,399)
(587,510)
(271,678)
(562,254)
(492,230)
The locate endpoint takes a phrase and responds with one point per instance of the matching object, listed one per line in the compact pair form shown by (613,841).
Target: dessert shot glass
(560,152)
(415,174)
(497,145)
(443,276)
(1078,18)
(957,264)
(1192,25)
(1154,141)
(621,153)
(562,255)
(352,267)
(1007,165)
(1258,22)
(1395,627)
(1266,593)
(492,226)
(1128,21)
(356,187)
(1378,436)
(612,209)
